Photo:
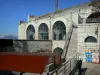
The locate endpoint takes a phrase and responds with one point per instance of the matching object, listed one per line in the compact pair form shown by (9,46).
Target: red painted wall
(23,63)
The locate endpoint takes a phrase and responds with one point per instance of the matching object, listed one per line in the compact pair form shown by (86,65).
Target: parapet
(31,17)
(22,22)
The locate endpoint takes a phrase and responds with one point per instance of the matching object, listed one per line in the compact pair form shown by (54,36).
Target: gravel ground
(92,69)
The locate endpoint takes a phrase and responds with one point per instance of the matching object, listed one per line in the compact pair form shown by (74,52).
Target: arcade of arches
(59,31)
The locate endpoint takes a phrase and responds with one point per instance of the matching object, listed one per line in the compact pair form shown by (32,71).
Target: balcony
(88,20)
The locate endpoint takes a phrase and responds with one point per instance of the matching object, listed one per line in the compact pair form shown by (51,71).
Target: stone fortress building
(54,27)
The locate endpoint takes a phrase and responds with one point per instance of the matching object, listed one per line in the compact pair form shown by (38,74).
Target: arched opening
(90,39)
(30,32)
(93,18)
(58,50)
(43,33)
(31,37)
(59,31)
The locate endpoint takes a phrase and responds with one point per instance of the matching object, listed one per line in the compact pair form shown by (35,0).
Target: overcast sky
(12,11)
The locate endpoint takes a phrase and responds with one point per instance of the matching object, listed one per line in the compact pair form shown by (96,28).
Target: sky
(12,11)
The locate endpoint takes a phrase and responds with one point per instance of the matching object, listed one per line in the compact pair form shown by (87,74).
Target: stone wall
(85,30)
(32,46)
(72,50)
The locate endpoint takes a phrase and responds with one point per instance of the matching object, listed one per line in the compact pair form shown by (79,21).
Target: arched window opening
(90,39)
(31,37)
(93,18)
(30,32)
(60,36)
(58,50)
(43,33)
(59,31)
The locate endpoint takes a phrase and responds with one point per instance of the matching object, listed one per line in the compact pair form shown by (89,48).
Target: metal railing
(89,20)
(66,67)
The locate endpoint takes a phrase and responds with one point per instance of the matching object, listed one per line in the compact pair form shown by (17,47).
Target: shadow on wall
(25,46)
(15,47)
(6,45)
(9,49)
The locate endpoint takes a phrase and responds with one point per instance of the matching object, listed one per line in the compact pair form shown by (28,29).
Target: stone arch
(43,32)
(59,31)
(90,39)
(93,18)
(58,50)
(30,32)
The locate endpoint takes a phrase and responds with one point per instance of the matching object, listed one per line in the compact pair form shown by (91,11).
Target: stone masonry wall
(83,32)
(32,46)
(72,50)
